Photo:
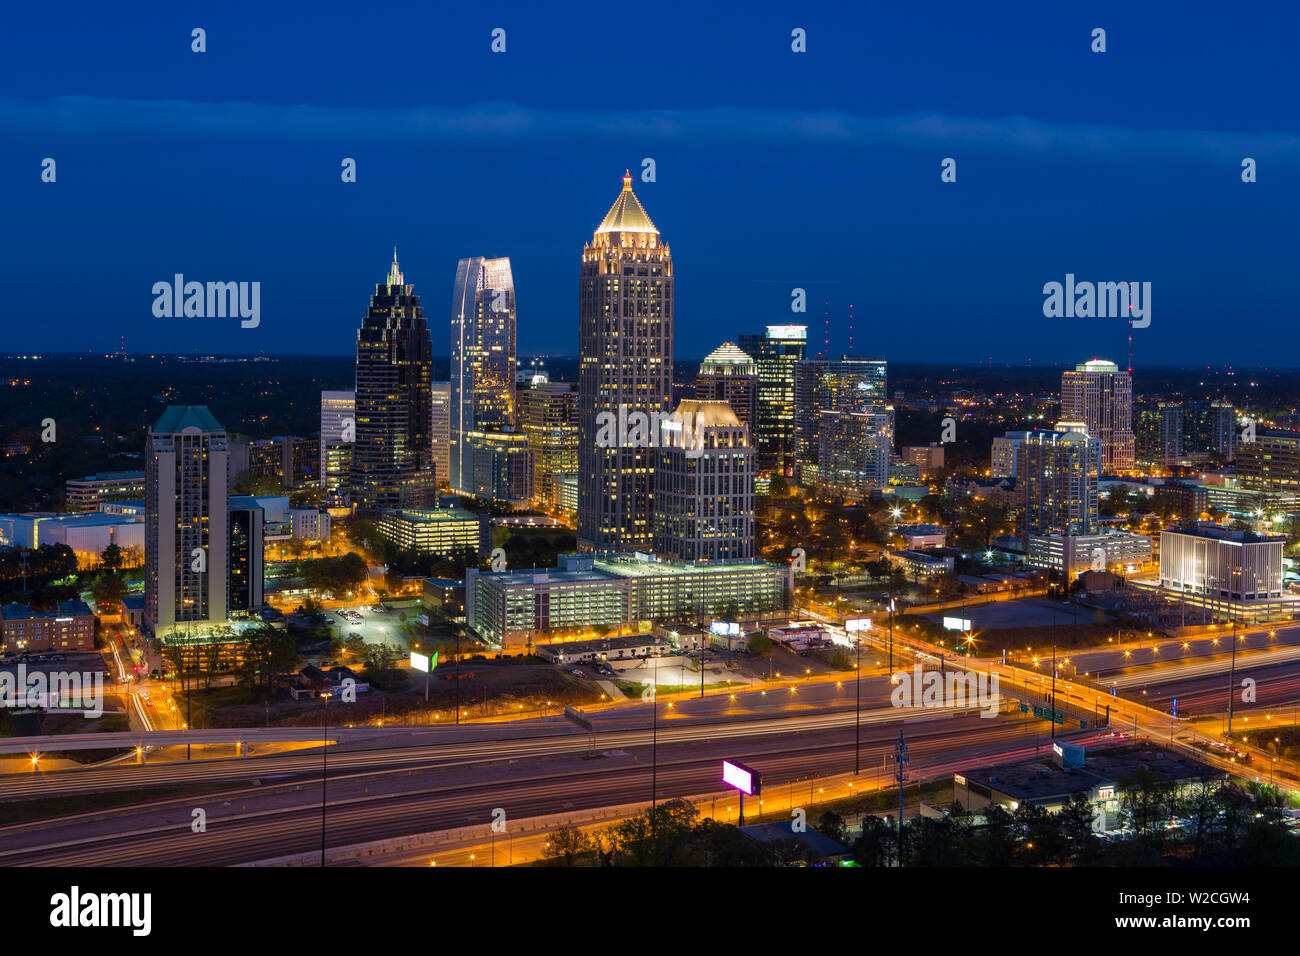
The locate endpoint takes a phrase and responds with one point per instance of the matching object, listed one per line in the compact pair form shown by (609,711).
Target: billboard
(725,628)
(422,663)
(739,777)
(956,624)
(853,625)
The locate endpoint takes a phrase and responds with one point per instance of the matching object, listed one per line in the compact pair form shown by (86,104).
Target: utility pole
(1053,715)
(901,760)
(857,721)
(324,769)
(1232,676)
(654,759)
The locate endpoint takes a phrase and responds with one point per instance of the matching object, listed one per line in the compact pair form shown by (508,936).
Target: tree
(778,487)
(569,846)
(761,645)
(112,557)
(108,589)
(831,824)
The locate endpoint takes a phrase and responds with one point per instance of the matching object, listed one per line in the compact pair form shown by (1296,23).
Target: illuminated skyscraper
(442,431)
(704,486)
(1056,483)
(337,433)
(482,358)
(186,536)
(843,425)
(729,375)
(392,462)
(625,344)
(548,415)
(1100,396)
(775,354)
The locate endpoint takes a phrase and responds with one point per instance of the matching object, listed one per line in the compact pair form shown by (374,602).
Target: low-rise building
(1118,551)
(1101,777)
(87,494)
(516,609)
(309,524)
(69,628)
(922,564)
(1234,573)
(920,536)
(604,649)
(444,594)
(435,530)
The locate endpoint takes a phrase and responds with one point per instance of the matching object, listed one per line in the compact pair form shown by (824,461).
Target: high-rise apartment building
(1100,395)
(186,520)
(728,375)
(704,485)
(548,416)
(1003,454)
(392,462)
(338,428)
(1158,434)
(1209,428)
(843,427)
(483,357)
(1057,474)
(776,353)
(625,344)
(441,434)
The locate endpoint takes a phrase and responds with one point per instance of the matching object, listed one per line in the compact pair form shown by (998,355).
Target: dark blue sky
(774,169)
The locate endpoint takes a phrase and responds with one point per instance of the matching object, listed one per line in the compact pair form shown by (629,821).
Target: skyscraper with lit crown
(625,343)
(392,462)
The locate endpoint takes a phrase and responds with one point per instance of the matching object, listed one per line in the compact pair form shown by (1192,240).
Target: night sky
(774,169)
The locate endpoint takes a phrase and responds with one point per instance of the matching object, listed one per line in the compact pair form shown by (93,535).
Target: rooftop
(177,418)
(627,213)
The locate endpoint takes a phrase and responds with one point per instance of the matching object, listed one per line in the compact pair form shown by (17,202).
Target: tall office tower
(483,357)
(1098,394)
(843,426)
(548,416)
(1210,428)
(392,457)
(338,427)
(186,520)
(1003,455)
(775,354)
(704,485)
(625,346)
(1057,476)
(1271,464)
(442,431)
(729,375)
(247,567)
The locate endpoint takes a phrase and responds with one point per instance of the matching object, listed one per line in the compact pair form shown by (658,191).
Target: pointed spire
(394,273)
(627,213)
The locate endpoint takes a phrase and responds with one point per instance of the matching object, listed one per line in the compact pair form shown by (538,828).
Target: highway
(373,795)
